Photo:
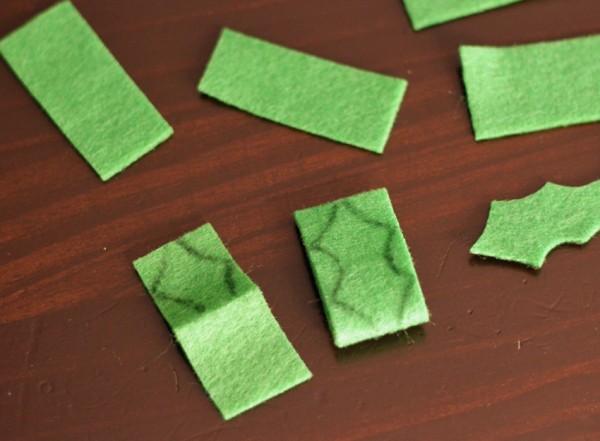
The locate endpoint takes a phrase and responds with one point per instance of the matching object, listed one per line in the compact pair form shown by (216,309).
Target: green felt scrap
(523,89)
(222,321)
(426,13)
(526,230)
(362,267)
(74,77)
(339,102)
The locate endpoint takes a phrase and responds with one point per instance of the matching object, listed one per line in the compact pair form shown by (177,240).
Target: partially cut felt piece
(362,267)
(532,87)
(339,102)
(69,71)
(222,322)
(526,230)
(426,13)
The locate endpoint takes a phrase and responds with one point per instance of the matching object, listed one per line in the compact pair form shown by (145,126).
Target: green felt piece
(362,267)
(523,89)
(68,70)
(339,102)
(426,13)
(526,230)
(222,321)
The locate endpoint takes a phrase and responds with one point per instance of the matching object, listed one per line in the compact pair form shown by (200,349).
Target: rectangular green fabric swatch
(532,87)
(222,322)
(426,13)
(339,102)
(69,71)
(362,267)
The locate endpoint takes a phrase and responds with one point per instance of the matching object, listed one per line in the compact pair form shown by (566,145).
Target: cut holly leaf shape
(526,230)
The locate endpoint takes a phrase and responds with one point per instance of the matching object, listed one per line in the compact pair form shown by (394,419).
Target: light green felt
(526,230)
(222,322)
(339,102)
(426,13)
(362,267)
(69,71)
(533,87)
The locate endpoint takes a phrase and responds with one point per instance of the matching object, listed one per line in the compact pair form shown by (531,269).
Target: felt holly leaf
(526,230)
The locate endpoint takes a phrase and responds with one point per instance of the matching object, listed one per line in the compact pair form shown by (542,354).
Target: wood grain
(511,354)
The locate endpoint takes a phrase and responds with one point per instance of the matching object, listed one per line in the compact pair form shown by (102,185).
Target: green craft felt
(69,71)
(339,102)
(526,230)
(533,87)
(362,267)
(426,13)
(222,321)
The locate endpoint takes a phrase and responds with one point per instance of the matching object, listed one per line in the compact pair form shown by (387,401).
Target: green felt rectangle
(362,267)
(522,89)
(69,71)
(339,102)
(222,322)
(426,13)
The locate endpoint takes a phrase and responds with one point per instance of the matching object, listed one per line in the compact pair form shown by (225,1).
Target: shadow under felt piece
(362,266)
(342,103)
(222,322)
(523,89)
(82,87)
(526,230)
(426,13)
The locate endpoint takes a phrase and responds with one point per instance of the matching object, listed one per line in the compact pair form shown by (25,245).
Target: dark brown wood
(510,353)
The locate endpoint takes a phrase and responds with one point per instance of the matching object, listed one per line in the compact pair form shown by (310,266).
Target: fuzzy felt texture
(532,87)
(73,76)
(426,13)
(222,322)
(362,267)
(526,230)
(339,102)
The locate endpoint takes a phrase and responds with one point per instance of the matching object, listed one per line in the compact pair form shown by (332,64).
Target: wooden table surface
(510,354)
